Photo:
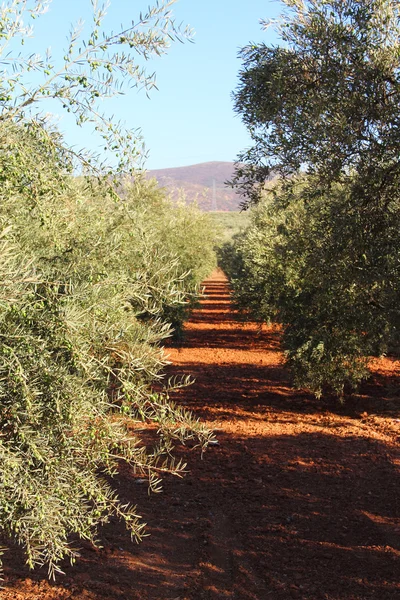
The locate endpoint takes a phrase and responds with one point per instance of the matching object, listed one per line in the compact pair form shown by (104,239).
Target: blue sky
(190,119)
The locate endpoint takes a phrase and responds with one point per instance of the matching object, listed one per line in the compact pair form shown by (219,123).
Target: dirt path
(300,499)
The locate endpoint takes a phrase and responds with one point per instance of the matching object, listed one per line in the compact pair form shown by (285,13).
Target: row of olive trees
(322,253)
(93,279)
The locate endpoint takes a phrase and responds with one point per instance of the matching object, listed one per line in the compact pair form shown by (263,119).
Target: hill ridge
(204,183)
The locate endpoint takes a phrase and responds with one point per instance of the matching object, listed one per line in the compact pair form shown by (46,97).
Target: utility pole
(214,197)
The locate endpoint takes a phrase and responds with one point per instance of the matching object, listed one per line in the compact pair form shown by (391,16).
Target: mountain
(204,183)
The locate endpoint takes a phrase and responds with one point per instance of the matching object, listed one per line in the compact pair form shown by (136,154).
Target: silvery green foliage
(322,255)
(86,282)
(97,64)
(311,262)
(92,280)
(326,99)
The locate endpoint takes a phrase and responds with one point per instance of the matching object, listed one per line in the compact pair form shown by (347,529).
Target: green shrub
(88,286)
(322,254)
(311,261)
(94,276)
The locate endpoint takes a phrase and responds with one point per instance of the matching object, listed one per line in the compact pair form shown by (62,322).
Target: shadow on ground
(299,499)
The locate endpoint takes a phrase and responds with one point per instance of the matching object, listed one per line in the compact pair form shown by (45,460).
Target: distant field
(230,223)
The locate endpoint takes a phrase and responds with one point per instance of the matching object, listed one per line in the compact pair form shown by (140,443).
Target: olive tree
(324,106)
(90,284)
(97,64)
(325,100)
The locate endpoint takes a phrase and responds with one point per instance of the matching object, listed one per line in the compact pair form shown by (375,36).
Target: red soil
(300,499)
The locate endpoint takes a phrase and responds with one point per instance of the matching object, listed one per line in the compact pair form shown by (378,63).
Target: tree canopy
(326,100)
(96,64)
(322,253)
(91,285)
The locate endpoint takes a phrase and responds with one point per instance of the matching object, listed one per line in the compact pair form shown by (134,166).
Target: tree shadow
(266,387)
(299,504)
(311,516)
(235,337)
(259,378)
